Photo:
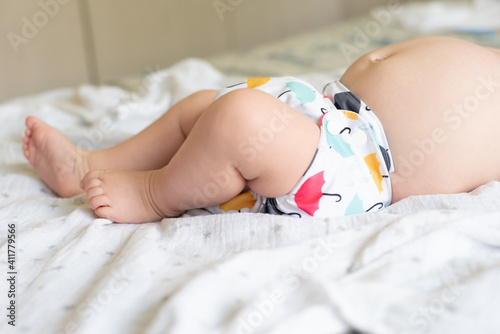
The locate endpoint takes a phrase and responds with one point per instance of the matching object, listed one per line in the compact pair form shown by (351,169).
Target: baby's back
(439,102)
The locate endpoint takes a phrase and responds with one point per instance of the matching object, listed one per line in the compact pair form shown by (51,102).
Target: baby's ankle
(162,202)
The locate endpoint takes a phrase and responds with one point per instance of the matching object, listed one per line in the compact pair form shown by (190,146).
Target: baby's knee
(245,107)
(204,94)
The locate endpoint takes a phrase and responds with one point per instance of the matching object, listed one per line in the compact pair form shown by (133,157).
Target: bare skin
(415,87)
(207,144)
(62,165)
(438,99)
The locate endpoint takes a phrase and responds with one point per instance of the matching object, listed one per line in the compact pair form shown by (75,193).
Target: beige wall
(55,43)
(37,50)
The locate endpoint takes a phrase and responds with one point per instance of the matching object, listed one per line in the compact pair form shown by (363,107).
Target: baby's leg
(246,137)
(156,145)
(62,165)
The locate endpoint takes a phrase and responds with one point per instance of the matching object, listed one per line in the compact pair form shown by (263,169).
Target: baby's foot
(123,196)
(59,163)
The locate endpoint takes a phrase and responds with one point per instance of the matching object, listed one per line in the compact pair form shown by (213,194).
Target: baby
(415,117)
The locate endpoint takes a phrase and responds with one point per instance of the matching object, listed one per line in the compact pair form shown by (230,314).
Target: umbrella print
(336,140)
(355,207)
(347,101)
(245,200)
(252,83)
(309,194)
(374,167)
(303,93)
(257,82)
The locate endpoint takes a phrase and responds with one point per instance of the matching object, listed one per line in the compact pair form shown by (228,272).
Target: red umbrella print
(309,194)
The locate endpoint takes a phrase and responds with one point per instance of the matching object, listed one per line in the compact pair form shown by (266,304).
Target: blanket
(427,264)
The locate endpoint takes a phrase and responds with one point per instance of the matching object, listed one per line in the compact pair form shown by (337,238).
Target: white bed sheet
(428,264)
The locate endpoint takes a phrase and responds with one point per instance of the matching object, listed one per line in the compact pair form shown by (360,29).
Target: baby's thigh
(275,143)
(270,143)
(281,157)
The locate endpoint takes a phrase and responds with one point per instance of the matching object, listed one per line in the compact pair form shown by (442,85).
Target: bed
(427,264)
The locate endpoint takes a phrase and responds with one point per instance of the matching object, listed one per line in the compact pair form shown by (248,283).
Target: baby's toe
(27,136)
(33,122)
(91,180)
(26,151)
(99,202)
(94,192)
(105,212)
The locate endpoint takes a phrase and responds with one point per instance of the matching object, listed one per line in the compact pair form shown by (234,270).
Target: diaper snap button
(333,128)
(359,138)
